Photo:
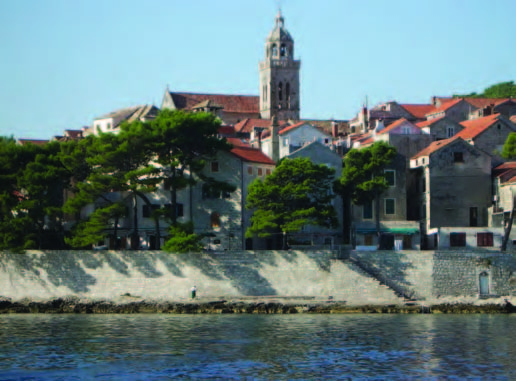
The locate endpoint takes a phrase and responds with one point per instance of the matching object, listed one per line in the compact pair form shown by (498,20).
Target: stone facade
(435,274)
(279,76)
(447,203)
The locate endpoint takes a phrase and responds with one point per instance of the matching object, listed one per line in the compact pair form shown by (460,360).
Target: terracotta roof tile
(292,127)
(226,130)
(474,127)
(505,170)
(435,146)
(445,106)
(253,155)
(37,142)
(394,125)
(248,124)
(231,103)
(238,142)
(484,102)
(418,110)
(427,123)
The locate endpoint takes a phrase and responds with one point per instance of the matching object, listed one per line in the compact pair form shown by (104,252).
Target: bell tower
(279,75)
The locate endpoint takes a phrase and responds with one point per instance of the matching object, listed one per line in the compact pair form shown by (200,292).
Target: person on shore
(194,292)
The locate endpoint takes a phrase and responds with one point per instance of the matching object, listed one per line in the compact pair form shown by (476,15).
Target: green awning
(392,230)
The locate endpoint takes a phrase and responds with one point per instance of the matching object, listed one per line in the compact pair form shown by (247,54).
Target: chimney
(334,129)
(275,139)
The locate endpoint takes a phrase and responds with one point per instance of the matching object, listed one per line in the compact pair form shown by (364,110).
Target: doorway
(483,282)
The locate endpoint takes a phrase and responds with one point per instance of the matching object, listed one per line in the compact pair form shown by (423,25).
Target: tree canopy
(498,90)
(296,194)
(509,147)
(44,187)
(363,174)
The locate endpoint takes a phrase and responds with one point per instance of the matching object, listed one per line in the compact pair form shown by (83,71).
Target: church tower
(279,75)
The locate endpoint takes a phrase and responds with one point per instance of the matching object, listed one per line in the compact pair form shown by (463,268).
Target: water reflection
(260,347)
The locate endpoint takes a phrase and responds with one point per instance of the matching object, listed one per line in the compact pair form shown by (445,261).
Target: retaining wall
(159,275)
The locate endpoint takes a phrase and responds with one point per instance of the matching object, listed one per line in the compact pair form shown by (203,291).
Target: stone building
(279,75)
(440,128)
(454,189)
(111,122)
(488,133)
(398,214)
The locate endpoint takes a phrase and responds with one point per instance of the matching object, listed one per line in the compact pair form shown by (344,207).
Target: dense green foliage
(498,90)
(183,239)
(509,148)
(363,177)
(296,194)
(42,188)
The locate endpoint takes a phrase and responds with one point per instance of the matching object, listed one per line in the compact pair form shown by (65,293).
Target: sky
(65,62)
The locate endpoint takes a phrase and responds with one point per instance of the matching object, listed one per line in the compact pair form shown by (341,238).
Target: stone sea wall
(111,275)
(368,278)
(428,275)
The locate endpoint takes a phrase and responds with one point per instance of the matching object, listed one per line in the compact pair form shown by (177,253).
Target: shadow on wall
(390,270)
(69,268)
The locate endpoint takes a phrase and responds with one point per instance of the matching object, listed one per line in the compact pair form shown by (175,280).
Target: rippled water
(160,347)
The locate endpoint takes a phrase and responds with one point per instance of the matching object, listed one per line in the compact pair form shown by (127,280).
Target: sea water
(262,347)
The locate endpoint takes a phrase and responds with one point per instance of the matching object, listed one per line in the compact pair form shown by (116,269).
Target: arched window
(283,50)
(274,50)
(215,220)
(287,93)
(280,91)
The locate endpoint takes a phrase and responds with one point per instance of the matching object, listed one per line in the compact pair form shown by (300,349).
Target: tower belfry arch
(279,75)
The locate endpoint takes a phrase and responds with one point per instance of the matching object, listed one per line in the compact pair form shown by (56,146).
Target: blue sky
(64,62)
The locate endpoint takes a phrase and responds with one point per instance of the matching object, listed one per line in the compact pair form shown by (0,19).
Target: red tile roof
(292,127)
(248,124)
(427,123)
(484,102)
(445,106)
(238,142)
(418,110)
(38,142)
(231,103)
(74,134)
(475,127)
(252,155)
(435,146)
(394,125)
(226,130)
(505,170)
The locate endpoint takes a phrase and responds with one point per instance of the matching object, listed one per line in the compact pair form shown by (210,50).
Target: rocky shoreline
(75,305)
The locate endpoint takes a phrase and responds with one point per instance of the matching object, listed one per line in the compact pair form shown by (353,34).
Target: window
(390,206)
(274,50)
(367,210)
(167,184)
(108,126)
(390,176)
(283,50)
(326,141)
(450,132)
(214,166)
(457,157)
(260,171)
(484,239)
(405,130)
(267,171)
(285,141)
(147,211)
(249,170)
(209,192)
(457,239)
(288,94)
(280,91)
(215,220)
(179,209)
